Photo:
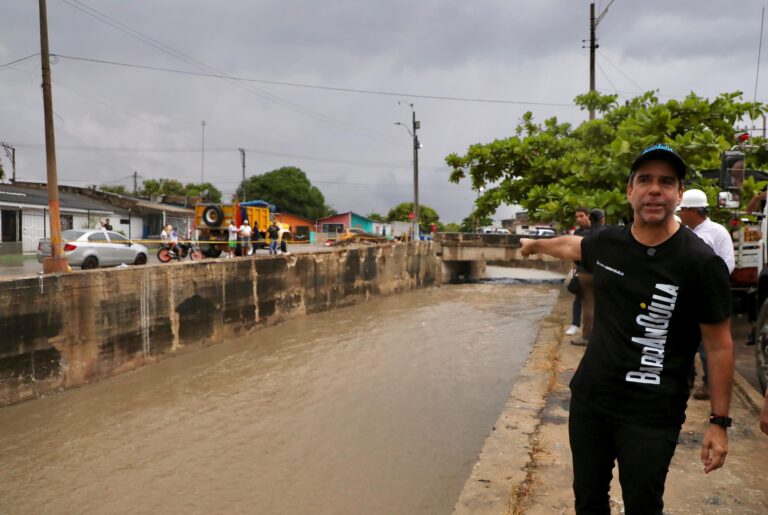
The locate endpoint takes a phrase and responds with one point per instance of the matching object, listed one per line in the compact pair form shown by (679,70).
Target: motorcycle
(181,250)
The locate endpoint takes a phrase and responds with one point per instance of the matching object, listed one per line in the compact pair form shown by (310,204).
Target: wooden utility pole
(416,126)
(593,23)
(10,151)
(592,47)
(135,183)
(242,160)
(56,262)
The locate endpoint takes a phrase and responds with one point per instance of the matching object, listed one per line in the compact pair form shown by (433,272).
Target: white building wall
(137,228)
(32,228)
(36,224)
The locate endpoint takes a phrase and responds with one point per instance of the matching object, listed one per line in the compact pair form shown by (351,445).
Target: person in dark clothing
(582,223)
(273,231)
(659,290)
(596,224)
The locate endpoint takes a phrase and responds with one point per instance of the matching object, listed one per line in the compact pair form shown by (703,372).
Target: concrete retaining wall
(60,331)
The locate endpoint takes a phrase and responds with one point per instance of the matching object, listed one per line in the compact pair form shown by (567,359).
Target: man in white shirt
(245,238)
(232,243)
(693,213)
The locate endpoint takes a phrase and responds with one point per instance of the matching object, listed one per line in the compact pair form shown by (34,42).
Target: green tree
(151,187)
(115,188)
(552,168)
(473,221)
(375,216)
(289,189)
(196,190)
(452,227)
(427,215)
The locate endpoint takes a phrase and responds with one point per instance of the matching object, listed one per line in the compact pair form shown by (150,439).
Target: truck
(212,224)
(749,230)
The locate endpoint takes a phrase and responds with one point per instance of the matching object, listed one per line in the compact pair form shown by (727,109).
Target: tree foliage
(154,187)
(427,215)
(373,215)
(120,189)
(208,191)
(551,168)
(289,189)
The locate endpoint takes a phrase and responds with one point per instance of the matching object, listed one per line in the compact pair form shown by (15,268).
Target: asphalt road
(26,264)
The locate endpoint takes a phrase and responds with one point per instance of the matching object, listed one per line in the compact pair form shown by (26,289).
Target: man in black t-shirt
(659,289)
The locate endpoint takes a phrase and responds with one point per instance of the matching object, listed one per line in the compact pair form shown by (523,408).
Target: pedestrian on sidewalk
(582,224)
(596,224)
(273,231)
(232,242)
(245,239)
(659,290)
(693,212)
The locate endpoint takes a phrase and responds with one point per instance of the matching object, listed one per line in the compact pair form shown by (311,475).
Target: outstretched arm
(563,247)
(719,347)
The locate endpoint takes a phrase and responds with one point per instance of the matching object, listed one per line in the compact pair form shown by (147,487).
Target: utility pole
(416,126)
(56,262)
(242,160)
(11,153)
(593,23)
(202,162)
(135,183)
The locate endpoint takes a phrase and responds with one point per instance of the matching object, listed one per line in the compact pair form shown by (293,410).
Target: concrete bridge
(464,256)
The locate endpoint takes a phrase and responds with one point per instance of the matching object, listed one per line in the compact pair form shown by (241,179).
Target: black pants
(643,454)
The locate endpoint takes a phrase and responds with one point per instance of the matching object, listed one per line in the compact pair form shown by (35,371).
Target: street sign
(411,215)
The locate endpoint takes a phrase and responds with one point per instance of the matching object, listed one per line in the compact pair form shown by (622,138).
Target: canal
(378,408)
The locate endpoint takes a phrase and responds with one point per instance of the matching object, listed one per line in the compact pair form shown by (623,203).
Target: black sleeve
(588,252)
(714,291)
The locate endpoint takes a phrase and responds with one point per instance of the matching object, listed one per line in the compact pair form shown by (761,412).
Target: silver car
(92,248)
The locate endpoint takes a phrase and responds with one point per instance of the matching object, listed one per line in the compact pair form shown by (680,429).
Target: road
(26,264)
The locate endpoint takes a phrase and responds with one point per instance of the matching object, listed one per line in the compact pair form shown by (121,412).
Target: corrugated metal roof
(13,194)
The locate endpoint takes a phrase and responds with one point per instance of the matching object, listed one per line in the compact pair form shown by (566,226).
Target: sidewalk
(533,465)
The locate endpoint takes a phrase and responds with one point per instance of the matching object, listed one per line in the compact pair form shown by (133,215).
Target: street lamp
(416,145)
(202,160)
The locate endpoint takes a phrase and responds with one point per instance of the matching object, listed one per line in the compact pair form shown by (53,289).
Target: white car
(92,248)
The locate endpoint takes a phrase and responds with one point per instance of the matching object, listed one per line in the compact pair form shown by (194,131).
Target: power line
(90,148)
(329,120)
(605,75)
(18,60)
(315,86)
(621,72)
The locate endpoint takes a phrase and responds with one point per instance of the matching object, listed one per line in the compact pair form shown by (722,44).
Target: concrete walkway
(525,465)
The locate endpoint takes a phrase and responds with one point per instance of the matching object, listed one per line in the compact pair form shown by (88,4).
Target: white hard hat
(694,198)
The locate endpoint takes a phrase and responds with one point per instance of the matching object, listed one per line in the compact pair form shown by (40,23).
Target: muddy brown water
(378,408)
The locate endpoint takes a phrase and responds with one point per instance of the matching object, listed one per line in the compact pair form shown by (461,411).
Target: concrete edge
(747,393)
(502,474)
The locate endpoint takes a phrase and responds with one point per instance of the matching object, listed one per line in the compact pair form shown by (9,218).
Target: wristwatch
(721,421)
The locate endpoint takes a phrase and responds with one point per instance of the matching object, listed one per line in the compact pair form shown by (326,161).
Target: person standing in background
(693,212)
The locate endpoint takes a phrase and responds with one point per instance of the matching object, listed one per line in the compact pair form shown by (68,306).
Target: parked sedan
(94,248)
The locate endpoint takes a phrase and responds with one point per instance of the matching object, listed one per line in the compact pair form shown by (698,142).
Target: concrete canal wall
(64,330)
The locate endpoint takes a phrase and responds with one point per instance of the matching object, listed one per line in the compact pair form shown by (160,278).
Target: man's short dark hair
(582,209)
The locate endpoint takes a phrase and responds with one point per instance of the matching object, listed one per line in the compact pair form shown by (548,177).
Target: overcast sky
(113,120)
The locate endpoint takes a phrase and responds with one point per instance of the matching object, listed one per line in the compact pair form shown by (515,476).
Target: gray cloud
(516,50)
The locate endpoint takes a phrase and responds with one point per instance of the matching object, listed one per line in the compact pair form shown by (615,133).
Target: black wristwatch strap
(721,421)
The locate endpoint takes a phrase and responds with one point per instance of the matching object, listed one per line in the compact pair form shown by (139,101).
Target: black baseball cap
(661,152)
